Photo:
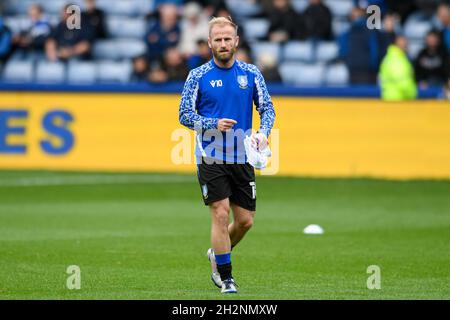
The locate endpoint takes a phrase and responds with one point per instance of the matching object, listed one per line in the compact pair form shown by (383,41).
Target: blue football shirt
(212,93)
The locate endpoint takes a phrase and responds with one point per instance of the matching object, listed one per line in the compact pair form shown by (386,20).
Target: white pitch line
(93,179)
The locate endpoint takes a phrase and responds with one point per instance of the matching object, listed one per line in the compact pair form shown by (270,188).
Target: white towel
(257,158)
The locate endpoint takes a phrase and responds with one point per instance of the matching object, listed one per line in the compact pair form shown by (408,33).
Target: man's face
(223,42)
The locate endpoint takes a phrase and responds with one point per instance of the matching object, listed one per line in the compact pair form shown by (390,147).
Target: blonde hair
(222,21)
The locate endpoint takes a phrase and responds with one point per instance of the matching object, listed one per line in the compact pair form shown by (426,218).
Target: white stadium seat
(272,48)
(298,51)
(50,72)
(81,72)
(302,74)
(18,71)
(121,27)
(256,28)
(326,51)
(111,71)
(337,75)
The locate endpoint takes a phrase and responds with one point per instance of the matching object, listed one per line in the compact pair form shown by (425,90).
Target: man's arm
(264,104)
(187,113)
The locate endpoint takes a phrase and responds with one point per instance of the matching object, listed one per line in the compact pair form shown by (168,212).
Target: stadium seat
(298,51)
(244,8)
(302,74)
(414,48)
(81,72)
(118,49)
(326,51)
(18,71)
(120,7)
(17,23)
(121,27)
(50,72)
(259,48)
(340,26)
(337,75)
(340,8)
(256,28)
(299,5)
(113,72)
(54,6)
(417,30)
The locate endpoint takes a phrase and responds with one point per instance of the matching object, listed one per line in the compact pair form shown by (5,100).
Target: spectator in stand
(318,18)
(366,3)
(359,48)
(64,43)
(397,73)
(5,42)
(175,66)
(32,40)
(431,64)
(267,64)
(243,54)
(172,67)
(443,14)
(164,33)
(427,8)
(140,69)
(285,23)
(391,26)
(403,8)
(194,27)
(202,56)
(95,20)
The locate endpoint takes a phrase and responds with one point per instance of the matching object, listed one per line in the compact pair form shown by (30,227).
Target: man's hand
(226,124)
(260,140)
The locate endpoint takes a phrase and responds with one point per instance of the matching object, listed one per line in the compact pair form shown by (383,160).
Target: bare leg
(220,239)
(242,222)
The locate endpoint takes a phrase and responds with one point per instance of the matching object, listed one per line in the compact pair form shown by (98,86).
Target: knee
(246,224)
(220,212)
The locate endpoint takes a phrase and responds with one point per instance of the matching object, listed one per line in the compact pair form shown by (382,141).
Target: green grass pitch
(144,236)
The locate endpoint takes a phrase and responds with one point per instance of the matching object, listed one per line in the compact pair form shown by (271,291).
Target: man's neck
(226,65)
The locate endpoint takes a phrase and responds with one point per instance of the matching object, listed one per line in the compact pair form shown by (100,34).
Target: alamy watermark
(374,280)
(74,17)
(214,151)
(374,19)
(73,281)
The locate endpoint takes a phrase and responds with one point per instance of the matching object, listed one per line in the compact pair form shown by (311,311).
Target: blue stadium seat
(326,51)
(118,49)
(18,71)
(256,28)
(298,51)
(113,72)
(340,8)
(259,48)
(54,6)
(417,29)
(50,72)
(302,74)
(81,72)
(340,26)
(414,48)
(299,5)
(120,7)
(244,8)
(122,27)
(17,23)
(337,75)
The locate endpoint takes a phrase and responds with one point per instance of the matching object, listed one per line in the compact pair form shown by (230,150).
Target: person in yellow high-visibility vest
(397,73)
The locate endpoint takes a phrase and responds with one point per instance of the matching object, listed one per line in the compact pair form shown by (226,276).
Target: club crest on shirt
(243,82)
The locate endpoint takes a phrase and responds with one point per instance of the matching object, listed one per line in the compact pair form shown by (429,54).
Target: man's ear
(237,41)
(209,42)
